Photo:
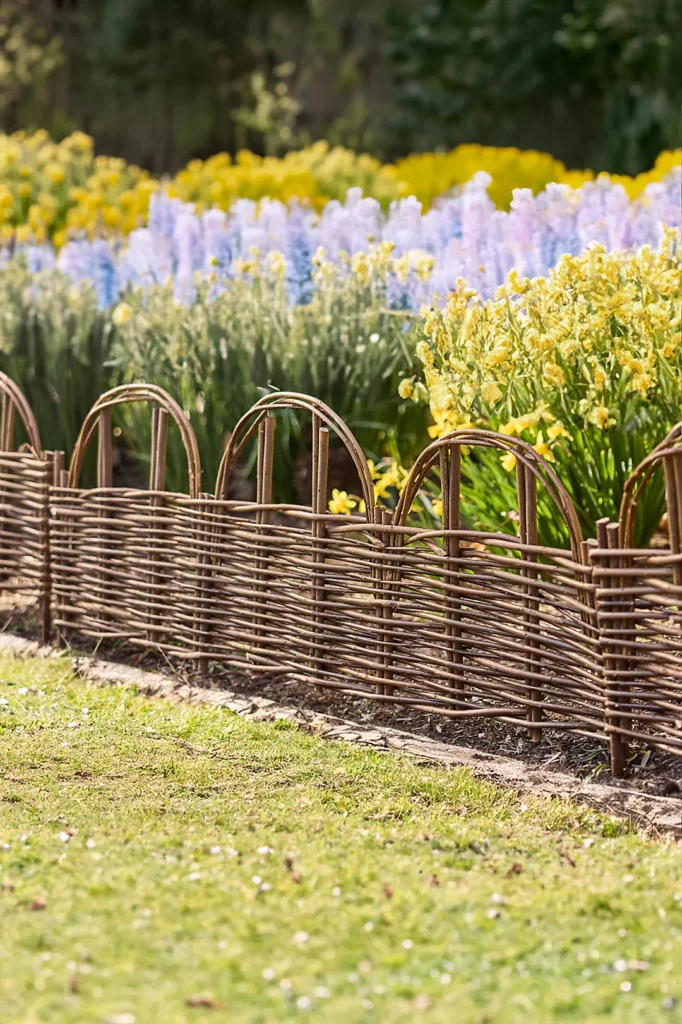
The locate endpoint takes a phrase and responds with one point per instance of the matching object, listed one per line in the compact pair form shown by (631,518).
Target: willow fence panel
(25,476)
(466,624)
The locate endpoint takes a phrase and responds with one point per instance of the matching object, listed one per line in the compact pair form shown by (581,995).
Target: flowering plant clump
(463,237)
(430,175)
(585,364)
(49,189)
(62,190)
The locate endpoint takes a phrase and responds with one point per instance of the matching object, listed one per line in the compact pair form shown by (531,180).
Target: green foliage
(28,57)
(57,346)
(219,357)
(594,82)
(216,358)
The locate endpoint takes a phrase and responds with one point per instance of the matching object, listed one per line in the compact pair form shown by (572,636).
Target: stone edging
(647,811)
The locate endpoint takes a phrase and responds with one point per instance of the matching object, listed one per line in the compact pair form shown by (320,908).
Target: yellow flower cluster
(387,476)
(586,346)
(429,175)
(316,174)
(49,189)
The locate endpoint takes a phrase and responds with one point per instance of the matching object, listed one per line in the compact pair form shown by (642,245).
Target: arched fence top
(128,394)
(667,454)
(14,401)
(525,454)
(280,400)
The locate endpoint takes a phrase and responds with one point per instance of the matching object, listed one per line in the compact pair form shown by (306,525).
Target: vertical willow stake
(528,534)
(105,478)
(386,517)
(266,448)
(7,417)
(450,478)
(608,625)
(45,589)
(320,471)
(157,483)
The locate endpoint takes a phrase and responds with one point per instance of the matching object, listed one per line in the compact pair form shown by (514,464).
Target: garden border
(649,812)
(466,624)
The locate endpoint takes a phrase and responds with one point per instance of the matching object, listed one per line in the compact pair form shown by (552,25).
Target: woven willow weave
(586,639)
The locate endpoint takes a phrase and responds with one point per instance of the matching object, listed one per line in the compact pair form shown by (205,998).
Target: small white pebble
(304,1003)
(4,702)
(22,690)
(72,725)
(301,937)
(493,914)
(268,973)
(587,843)
(407,943)
(85,711)
(523,808)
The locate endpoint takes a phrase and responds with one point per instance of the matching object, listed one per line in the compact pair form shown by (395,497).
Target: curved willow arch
(248,424)
(639,478)
(523,452)
(13,393)
(128,394)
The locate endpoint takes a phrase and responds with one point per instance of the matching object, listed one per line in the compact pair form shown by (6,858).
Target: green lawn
(155,856)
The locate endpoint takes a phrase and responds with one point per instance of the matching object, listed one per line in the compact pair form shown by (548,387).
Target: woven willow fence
(586,639)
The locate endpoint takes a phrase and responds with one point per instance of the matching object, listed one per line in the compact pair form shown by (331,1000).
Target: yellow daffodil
(341,503)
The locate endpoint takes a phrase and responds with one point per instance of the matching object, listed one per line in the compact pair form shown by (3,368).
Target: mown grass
(154,856)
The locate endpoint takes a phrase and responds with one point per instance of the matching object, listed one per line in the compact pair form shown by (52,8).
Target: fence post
(528,534)
(320,471)
(157,483)
(266,448)
(450,479)
(607,606)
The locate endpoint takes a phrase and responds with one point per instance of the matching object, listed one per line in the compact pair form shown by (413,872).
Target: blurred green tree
(594,81)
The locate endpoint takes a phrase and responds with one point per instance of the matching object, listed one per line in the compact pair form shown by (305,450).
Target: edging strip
(648,811)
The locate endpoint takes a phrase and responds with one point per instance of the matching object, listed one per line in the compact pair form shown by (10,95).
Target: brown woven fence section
(586,639)
(123,561)
(25,476)
(640,611)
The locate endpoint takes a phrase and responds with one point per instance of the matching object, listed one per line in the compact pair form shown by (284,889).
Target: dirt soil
(649,771)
